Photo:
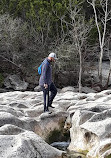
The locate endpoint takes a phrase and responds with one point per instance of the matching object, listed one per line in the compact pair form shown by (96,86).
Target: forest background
(78,31)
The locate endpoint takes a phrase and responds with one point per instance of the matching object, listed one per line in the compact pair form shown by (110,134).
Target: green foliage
(109,156)
(41,28)
(73,154)
(93,36)
(40,13)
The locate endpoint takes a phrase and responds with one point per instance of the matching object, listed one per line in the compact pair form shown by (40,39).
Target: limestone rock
(88,90)
(14,82)
(9,129)
(69,88)
(87,116)
(50,122)
(26,145)
(37,89)
(90,125)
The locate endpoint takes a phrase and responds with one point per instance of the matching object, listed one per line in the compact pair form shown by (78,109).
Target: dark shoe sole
(51,107)
(48,112)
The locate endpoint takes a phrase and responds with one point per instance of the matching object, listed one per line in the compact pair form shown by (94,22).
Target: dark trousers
(49,99)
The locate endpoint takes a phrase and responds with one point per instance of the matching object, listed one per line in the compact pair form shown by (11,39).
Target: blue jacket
(46,75)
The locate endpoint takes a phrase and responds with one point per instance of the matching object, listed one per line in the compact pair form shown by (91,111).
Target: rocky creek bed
(26,132)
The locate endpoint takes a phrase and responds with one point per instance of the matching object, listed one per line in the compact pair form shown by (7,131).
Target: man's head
(52,56)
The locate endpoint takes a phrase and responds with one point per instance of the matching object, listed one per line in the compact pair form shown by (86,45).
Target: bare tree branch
(104,19)
(10,61)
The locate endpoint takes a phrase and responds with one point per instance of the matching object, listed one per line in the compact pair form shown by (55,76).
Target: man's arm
(44,72)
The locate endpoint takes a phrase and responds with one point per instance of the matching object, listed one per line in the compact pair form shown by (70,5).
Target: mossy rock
(58,135)
(72,154)
(109,156)
(84,152)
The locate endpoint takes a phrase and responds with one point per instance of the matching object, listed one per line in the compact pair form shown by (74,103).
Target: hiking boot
(51,106)
(48,112)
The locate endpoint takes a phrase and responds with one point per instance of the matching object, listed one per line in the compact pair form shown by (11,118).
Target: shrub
(1,80)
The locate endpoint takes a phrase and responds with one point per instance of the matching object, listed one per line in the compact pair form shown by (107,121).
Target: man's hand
(45,86)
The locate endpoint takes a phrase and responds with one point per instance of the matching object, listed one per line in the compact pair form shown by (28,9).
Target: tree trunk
(80,73)
(100,66)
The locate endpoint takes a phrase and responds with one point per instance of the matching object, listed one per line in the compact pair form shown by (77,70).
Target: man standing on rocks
(46,83)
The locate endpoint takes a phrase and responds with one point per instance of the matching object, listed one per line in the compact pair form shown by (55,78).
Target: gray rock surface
(90,125)
(22,120)
(25,145)
(14,82)
(37,89)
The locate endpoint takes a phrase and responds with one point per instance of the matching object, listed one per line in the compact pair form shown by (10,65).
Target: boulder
(37,89)
(24,144)
(66,89)
(2,90)
(14,82)
(90,125)
(7,118)
(50,122)
(88,90)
